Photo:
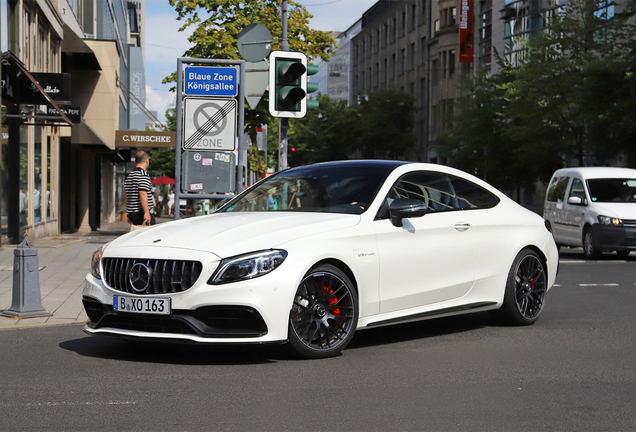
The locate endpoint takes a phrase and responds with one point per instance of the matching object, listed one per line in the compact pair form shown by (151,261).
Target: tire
(590,250)
(324,313)
(525,291)
(622,254)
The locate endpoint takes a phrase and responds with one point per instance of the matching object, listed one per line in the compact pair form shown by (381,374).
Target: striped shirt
(138,180)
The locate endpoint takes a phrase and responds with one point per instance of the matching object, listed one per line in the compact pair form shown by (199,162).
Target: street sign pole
(179,114)
(283,123)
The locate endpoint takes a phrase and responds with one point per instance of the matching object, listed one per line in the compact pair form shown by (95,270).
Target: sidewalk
(64,261)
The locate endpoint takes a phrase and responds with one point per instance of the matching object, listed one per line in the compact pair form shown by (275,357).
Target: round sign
(255,43)
(203,113)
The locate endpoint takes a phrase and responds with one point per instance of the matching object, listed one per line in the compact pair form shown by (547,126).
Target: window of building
(452,16)
(385,70)
(413,17)
(444,64)
(26,38)
(403,25)
(436,26)
(451,63)
(412,56)
(393,65)
(435,72)
(402,60)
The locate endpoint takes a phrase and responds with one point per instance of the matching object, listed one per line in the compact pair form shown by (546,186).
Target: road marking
(55,404)
(607,284)
(556,285)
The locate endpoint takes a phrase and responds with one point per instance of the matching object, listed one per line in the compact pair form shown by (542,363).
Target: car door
(573,215)
(556,198)
(429,259)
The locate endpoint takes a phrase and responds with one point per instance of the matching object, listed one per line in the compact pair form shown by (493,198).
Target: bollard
(26,283)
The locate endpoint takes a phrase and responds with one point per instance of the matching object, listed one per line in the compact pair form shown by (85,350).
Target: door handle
(462,226)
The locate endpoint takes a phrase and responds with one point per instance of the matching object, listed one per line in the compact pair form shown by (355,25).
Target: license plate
(160,306)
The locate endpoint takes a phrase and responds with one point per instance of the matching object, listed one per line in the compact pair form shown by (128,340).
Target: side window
(557,189)
(577,190)
(471,196)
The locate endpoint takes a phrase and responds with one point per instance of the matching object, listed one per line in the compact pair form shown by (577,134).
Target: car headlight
(96,260)
(606,220)
(248,266)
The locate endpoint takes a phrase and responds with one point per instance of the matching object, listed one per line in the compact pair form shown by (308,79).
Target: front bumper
(611,238)
(252,311)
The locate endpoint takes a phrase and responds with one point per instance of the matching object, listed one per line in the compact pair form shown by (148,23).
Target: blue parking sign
(211,81)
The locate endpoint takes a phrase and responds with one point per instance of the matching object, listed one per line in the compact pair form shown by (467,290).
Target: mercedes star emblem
(140,276)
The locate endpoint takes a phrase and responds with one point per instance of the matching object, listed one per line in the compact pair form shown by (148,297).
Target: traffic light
(288,84)
(312,86)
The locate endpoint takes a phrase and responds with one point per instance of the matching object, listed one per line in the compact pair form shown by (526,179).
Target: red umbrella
(163,180)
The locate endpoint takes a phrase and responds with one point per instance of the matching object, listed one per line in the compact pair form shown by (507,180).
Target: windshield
(318,188)
(612,190)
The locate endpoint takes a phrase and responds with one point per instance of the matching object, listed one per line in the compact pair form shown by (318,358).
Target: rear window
(557,189)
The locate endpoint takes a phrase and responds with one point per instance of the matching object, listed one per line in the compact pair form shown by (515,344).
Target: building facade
(58,172)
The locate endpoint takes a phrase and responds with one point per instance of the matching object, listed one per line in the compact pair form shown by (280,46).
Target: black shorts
(138,218)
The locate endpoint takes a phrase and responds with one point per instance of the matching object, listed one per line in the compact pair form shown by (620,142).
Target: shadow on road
(188,354)
(420,330)
(171,353)
(577,254)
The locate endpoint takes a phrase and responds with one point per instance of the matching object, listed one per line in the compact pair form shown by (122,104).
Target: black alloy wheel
(525,290)
(324,314)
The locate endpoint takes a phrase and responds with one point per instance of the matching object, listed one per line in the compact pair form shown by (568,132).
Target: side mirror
(402,208)
(575,201)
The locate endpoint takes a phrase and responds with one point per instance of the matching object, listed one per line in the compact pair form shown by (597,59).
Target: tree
(380,126)
(327,133)
(569,95)
(573,96)
(386,124)
(163,161)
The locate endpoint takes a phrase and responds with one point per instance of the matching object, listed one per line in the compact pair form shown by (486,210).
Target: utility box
(208,171)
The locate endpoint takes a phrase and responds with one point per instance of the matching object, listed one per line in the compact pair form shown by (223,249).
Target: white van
(593,207)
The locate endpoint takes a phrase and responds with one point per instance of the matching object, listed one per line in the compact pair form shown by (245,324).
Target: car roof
(597,172)
(371,163)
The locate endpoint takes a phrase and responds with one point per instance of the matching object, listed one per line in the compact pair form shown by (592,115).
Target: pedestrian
(138,189)
(159,205)
(171,203)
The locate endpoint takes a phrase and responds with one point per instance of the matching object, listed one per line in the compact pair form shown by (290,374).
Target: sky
(164,43)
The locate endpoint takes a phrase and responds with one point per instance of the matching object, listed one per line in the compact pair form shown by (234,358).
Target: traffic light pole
(283,123)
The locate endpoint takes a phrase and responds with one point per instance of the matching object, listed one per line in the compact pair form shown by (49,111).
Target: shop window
(24,176)
(47,201)
(37,174)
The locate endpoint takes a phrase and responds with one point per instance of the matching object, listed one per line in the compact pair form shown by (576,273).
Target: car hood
(229,234)
(618,210)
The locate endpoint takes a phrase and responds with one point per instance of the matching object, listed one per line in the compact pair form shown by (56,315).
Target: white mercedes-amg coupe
(312,254)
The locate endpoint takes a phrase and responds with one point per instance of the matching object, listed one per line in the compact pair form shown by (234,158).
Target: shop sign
(74,113)
(56,85)
(144,139)
(466,31)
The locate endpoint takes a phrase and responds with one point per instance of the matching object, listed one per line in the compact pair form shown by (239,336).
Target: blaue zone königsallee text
(211,81)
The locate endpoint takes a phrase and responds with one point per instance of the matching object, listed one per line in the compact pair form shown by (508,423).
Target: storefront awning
(77,52)
(17,79)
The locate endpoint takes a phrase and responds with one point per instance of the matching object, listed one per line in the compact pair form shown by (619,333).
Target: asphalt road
(574,370)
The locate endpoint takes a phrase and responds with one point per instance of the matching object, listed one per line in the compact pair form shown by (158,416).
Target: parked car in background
(593,208)
(312,254)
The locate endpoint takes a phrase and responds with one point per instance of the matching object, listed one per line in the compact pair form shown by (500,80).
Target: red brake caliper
(332,300)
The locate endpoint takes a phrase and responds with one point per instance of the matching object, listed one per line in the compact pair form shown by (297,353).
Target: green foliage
(379,126)
(256,160)
(162,162)
(573,97)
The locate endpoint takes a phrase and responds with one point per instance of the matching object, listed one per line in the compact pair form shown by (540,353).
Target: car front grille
(629,223)
(166,276)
